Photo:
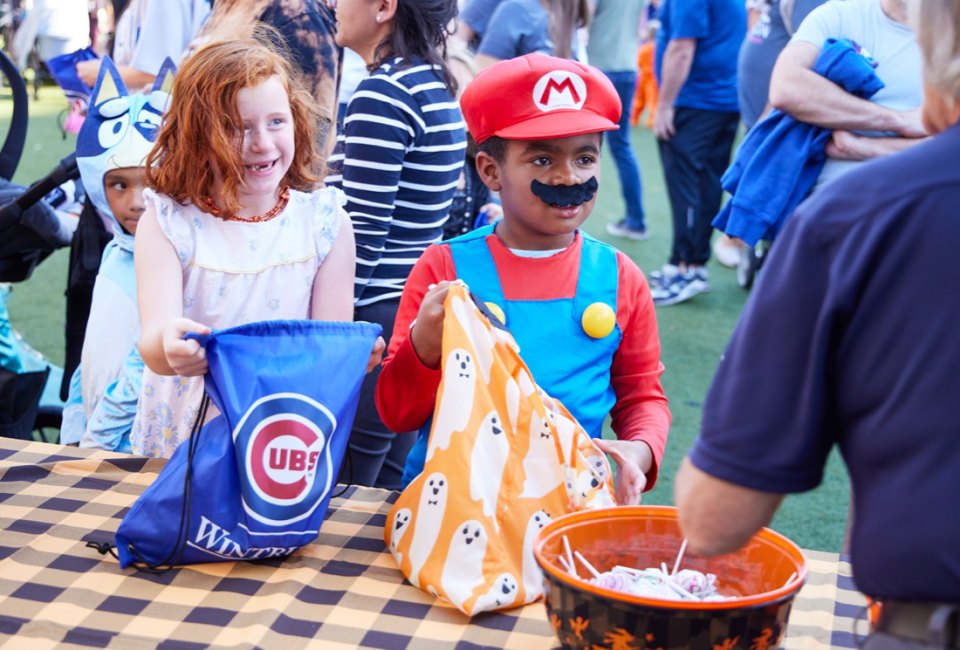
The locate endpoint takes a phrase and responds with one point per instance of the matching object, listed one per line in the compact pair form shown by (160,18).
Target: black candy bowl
(761,580)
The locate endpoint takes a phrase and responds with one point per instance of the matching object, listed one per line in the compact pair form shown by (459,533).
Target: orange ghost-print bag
(503,458)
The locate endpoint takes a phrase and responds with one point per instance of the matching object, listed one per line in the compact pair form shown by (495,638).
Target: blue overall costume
(567,363)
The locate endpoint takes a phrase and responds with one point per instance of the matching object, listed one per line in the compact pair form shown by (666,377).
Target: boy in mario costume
(579,309)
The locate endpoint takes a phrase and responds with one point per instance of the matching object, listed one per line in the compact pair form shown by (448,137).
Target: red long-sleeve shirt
(407,389)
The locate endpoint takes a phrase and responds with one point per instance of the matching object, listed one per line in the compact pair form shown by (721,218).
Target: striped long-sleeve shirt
(398,160)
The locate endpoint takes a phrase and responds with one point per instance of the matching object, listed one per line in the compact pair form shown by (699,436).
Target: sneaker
(702,276)
(622,229)
(680,288)
(666,271)
(727,251)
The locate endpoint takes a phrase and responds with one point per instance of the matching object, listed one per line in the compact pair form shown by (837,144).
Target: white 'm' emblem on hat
(559,89)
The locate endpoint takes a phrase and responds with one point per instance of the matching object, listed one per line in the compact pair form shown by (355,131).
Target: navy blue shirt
(852,337)
(398,161)
(719,27)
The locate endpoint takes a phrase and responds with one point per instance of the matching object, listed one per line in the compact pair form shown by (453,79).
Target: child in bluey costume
(580,310)
(112,146)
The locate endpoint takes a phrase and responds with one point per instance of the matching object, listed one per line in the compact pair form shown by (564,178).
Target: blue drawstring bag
(63,69)
(255,481)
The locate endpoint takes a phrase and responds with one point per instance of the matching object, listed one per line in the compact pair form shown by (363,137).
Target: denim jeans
(627,168)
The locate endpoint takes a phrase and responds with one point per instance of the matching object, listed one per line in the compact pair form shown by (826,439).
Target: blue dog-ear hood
(119,129)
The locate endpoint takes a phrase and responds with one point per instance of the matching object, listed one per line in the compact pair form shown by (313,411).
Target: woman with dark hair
(398,160)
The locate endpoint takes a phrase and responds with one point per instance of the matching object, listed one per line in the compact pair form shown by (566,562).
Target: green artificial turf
(693,335)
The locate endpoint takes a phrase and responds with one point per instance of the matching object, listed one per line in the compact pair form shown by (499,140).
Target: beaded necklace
(213,209)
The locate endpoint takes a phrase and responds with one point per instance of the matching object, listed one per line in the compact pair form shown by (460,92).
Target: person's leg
(619,141)
(391,472)
(722,131)
(677,156)
(637,107)
(371,442)
(684,158)
(651,94)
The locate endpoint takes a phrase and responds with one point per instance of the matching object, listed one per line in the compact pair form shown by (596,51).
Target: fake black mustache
(565,195)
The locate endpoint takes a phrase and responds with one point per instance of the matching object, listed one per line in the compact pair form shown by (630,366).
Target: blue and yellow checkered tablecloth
(342,591)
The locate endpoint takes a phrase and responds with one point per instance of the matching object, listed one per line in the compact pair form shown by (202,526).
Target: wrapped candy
(657,583)
(687,584)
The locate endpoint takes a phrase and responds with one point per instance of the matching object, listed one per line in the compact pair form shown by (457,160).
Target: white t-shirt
(167,28)
(353,72)
(57,26)
(891,44)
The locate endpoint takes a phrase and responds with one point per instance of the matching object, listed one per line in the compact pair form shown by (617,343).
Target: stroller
(30,231)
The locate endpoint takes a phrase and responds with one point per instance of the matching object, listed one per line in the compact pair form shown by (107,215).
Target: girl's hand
(186,358)
(376,354)
(427,331)
(633,459)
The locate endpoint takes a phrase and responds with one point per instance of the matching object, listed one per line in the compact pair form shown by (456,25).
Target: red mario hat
(539,97)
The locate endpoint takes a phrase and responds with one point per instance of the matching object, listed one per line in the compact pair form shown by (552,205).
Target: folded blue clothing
(779,161)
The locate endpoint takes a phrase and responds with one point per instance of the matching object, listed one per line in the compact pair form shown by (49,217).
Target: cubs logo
(559,89)
(282,443)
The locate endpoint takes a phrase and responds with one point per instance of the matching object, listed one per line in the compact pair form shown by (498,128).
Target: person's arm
(463,32)
(133,79)
(675,69)
(332,296)
(407,387)
(484,61)
(160,300)
(718,517)
(809,97)
(641,416)
(767,426)
(850,146)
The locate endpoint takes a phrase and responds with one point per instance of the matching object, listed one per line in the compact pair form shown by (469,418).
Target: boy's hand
(427,331)
(376,354)
(186,358)
(634,459)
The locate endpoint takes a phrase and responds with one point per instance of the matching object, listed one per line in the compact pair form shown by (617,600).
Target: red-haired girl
(234,230)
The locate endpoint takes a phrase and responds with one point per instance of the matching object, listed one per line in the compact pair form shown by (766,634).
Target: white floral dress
(233,273)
